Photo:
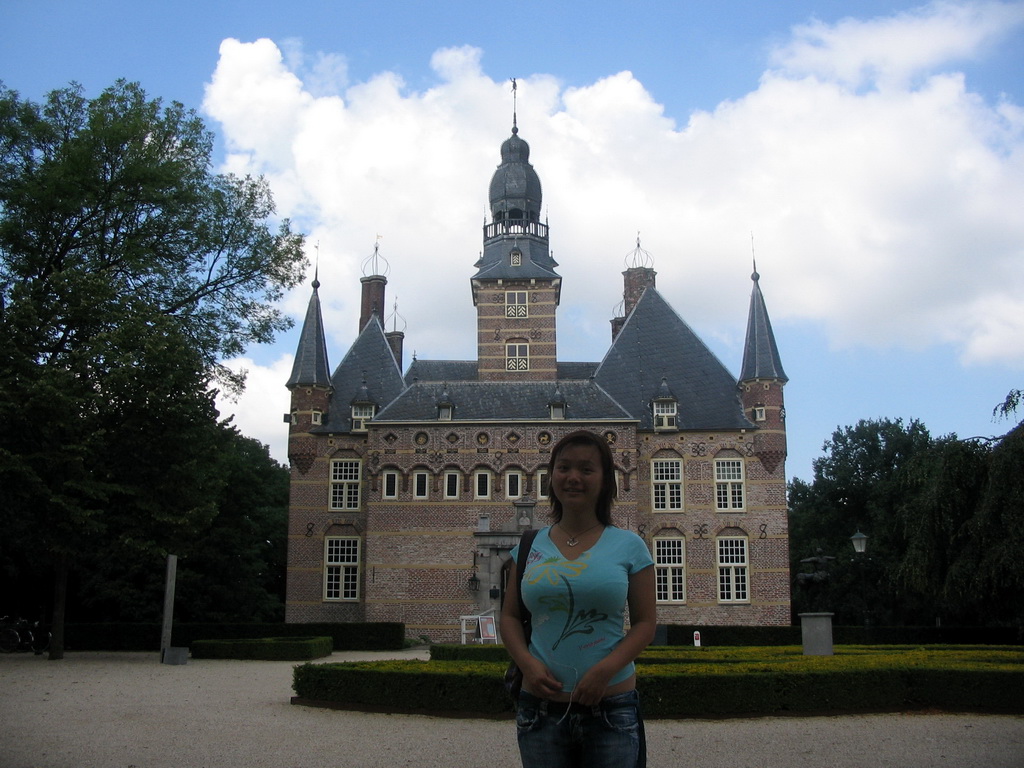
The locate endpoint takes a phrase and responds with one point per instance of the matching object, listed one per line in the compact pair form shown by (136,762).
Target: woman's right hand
(538,680)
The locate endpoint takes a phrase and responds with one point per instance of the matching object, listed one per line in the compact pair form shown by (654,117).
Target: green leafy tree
(128,271)
(857,485)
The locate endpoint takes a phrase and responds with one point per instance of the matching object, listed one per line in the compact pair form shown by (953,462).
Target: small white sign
(696,639)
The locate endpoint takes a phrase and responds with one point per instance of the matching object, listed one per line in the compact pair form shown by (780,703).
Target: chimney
(396,340)
(636,281)
(372,298)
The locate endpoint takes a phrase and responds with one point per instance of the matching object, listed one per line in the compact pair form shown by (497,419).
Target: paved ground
(123,710)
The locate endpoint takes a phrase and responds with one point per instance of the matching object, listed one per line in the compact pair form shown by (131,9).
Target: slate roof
(310,368)
(503,401)
(760,353)
(655,343)
(370,363)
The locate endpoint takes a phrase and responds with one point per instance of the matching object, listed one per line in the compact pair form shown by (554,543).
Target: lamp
(859,541)
(473,582)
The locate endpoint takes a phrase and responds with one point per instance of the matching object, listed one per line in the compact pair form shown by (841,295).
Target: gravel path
(124,710)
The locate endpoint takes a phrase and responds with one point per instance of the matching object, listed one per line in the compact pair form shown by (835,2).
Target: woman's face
(578,478)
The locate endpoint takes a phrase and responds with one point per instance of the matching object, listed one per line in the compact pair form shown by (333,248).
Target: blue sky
(874,150)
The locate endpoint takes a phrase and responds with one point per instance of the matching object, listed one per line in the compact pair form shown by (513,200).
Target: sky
(869,155)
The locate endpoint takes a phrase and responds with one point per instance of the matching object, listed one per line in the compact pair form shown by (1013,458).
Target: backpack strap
(525,545)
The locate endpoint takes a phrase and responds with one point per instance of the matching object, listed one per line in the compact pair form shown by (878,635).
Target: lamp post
(859,541)
(860,545)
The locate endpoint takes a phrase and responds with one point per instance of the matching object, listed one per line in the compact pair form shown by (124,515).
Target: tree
(858,484)
(233,571)
(128,271)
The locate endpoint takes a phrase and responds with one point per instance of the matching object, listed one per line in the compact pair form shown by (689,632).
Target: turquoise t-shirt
(577,607)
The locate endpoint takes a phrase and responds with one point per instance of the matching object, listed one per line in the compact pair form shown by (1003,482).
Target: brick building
(409,490)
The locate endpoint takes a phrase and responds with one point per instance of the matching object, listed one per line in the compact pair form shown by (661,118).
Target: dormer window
(665,412)
(361,413)
(516,258)
(444,412)
(556,405)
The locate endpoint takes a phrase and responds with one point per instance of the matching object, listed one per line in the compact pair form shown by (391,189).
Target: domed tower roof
(515,187)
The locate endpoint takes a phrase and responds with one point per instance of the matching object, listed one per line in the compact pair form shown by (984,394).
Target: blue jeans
(558,735)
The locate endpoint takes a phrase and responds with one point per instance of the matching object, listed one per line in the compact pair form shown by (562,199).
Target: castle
(409,490)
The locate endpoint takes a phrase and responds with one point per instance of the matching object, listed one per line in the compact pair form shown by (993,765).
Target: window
(482,481)
(515,304)
(444,412)
(390,485)
(451,485)
(542,484)
(667,483)
(317,417)
(557,411)
(341,568)
(517,356)
(732,570)
(665,414)
(516,258)
(345,484)
(513,485)
(729,483)
(360,415)
(759,413)
(670,570)
(420,482)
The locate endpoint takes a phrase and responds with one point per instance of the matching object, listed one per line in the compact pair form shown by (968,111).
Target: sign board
(488,630)
(696,639)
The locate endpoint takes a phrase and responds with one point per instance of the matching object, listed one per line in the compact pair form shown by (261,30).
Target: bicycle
(19,635)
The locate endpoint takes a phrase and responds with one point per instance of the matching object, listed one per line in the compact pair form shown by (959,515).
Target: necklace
(573,539)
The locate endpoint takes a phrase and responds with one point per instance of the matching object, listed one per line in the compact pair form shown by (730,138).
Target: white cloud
(893,50)
(882,193)
(259,411)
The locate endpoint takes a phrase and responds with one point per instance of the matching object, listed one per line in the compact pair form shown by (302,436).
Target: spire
(760,353)
(310,368)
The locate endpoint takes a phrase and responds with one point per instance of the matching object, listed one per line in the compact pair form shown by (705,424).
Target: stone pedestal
(816,630)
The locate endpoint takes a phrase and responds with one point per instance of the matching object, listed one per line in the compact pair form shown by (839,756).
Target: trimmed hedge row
(678,634)
(378,636)
(264,649)
(703,682)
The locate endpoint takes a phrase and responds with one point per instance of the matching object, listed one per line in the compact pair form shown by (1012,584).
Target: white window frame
(760,414)
(448,477)
(730,493)
(517,304)
(733,569)
(666,485)
(346,482)
(361,414)
(341,568)
(517,356)
(670,569)
(665,412)
(513,477)
(420,485)
(390,478)
(317,417)
(479,476)
(542,483)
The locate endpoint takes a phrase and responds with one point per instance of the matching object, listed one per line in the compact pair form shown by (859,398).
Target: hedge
(378,636)
(701,682)
(264,649)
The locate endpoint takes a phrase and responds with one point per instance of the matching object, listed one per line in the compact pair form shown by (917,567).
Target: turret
(762,380)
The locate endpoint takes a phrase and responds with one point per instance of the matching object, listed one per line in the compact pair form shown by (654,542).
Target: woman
(579,705)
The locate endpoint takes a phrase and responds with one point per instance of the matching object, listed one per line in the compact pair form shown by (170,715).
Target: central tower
(516,289)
